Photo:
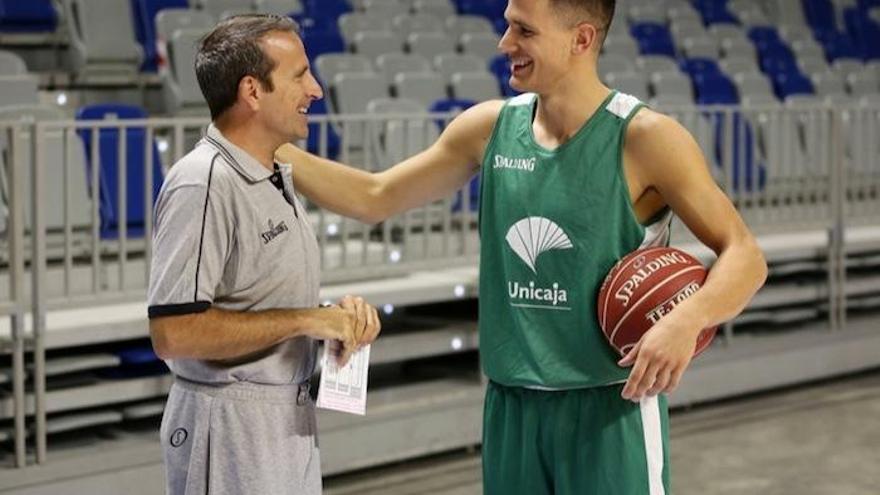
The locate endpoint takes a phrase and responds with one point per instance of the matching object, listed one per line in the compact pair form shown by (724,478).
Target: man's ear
(586,37)
(249,91)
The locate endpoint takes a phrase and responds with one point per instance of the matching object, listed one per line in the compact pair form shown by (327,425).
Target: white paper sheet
(344,389)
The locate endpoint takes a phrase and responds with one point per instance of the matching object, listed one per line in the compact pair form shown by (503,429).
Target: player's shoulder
(649,124)
(659,148)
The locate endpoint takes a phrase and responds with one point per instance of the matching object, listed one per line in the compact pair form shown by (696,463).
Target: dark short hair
(599,11)
(232,51)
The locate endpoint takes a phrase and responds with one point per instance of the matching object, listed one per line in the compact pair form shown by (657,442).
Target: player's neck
(563,112)
(251,138)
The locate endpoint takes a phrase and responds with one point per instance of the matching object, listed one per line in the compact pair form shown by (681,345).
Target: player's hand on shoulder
(660,358)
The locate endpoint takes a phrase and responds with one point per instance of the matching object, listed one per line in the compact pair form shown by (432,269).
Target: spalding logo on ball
(643,287)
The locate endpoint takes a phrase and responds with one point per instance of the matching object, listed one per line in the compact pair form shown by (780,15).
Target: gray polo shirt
(226,236)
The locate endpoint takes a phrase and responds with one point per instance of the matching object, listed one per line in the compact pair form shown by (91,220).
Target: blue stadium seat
(791,83)
(820,14)
(144,12)
(325,8)
(764,34)
(839,45)
(694,66)
(778,65)
(316,24)
(500,66)
(135,361)
(774,50)
(31,16)
(135,170)
(653,39)
(715,12)
(320,42)
(714,89)
(313,144)
(500,25)
(864,31)
(491,9)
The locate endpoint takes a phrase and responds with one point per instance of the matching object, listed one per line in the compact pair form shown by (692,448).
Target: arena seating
(742,75)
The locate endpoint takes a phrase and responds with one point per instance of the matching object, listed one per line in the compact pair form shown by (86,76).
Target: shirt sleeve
(191,243)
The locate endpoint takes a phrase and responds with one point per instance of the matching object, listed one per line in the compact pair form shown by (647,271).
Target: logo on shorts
(178,437)
(274,231)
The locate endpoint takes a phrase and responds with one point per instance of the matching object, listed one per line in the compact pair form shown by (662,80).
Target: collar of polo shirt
(244,163)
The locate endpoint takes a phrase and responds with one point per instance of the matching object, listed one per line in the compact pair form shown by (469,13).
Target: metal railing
(73,239)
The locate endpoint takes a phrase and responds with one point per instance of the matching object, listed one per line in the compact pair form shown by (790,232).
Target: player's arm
(430,175)
(216,334)
(668,160)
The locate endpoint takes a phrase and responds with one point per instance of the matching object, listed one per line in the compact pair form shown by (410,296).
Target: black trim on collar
(277,180)
(242,169)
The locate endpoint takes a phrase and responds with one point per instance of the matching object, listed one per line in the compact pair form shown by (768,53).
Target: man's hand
(660,357)
(367,324)
(353,323)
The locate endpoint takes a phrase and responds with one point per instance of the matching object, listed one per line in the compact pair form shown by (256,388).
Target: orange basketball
(642,287)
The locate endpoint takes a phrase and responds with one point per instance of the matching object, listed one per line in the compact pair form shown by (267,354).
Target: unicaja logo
(529,238)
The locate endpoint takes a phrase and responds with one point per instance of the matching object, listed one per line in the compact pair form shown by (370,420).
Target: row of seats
(726,62)
(428,44)
(75,179)
(101,47)
(353,81)
(787,58)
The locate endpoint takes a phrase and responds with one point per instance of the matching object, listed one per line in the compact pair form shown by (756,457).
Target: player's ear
(249,92)
(586,38)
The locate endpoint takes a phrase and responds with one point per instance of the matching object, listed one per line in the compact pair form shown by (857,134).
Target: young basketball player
(602,173)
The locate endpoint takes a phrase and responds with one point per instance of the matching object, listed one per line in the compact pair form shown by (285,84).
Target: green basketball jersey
(552,224)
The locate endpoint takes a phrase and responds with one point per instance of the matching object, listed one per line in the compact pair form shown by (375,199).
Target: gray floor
(822,439)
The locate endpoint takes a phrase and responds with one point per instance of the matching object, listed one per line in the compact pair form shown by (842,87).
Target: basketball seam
(653,289)
(604,317)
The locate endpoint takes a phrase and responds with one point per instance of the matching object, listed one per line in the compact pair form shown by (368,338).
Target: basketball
(643,287)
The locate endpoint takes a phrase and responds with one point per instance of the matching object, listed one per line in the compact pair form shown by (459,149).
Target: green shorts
(584,441)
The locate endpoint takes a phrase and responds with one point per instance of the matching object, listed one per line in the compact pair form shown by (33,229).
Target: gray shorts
(240,438)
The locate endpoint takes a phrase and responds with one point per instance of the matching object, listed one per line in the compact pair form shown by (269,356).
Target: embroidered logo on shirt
(274,231)
(178,437)
(526,164)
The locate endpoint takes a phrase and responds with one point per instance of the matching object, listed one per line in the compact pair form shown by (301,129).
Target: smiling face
(284,109)
(542,44)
